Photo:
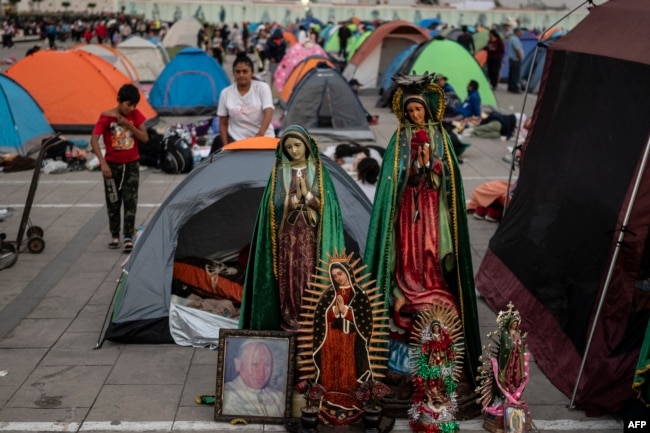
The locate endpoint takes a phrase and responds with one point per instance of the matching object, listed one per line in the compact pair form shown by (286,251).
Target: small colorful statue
(504,375)
(437,355)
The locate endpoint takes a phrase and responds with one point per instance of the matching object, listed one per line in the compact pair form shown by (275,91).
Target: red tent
(576,231)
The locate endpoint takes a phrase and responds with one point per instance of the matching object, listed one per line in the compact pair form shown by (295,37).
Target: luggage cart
(9,250)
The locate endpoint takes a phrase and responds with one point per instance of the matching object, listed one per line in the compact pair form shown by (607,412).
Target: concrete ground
(53,306)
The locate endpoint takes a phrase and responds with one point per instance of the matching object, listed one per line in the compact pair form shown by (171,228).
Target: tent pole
(523,105)
(610,272)
(101,338)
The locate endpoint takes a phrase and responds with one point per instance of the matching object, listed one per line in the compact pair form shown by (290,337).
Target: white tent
(112,56)
(147,57)
(183,33)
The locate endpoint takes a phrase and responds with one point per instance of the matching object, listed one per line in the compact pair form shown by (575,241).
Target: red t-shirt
(121,146)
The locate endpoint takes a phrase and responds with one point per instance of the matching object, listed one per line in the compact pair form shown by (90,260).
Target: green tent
(332,43)
(481,39)
(357,43)
(457,64)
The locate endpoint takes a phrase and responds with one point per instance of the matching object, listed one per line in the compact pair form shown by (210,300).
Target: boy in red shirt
(122,128)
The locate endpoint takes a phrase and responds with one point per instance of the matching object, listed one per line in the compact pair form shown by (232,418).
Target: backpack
(177,154)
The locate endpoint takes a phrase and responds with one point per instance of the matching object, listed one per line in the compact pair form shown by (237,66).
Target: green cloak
(380,247)
(260,308)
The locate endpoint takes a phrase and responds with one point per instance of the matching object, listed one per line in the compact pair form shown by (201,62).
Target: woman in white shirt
(245,107)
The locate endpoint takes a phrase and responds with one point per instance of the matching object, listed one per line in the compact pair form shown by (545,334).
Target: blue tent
(21,118)
(528,41)
(429,23)
(189,85)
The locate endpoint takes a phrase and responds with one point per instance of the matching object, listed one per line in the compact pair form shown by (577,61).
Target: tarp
(21,119)
(372,58)
(112,56)
(183,33)
(190,85)
(554,248)
(211,214)
(324,103)
(148,58)
(76,87)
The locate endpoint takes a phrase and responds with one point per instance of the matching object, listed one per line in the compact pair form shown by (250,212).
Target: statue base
(496,423)
(294,425)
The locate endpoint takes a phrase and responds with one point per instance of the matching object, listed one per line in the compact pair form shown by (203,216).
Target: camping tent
(112,56)
(210,214)
(293,56)
(325,104)
(148,58)
(394,67)
(528,42)
(582,186)
(299,71)
(455,62)
(190,85)
(78,86)
(183,33)
(21,118)
(372,58)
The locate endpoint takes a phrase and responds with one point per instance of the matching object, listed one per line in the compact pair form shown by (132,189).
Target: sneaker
(480,213)
(493,214)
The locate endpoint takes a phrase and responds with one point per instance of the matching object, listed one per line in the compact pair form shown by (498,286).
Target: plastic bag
(54,167)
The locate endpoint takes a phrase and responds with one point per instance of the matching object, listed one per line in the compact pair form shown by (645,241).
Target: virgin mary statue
(298,223)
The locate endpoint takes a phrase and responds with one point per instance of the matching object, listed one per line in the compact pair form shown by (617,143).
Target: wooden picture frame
(247,387)
(514,419)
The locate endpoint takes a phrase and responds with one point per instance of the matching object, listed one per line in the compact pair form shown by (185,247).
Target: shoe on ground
(493,215)
(480,213)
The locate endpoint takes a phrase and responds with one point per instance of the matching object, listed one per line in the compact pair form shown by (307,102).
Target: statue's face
(416,113)
(340,277)
(295,148)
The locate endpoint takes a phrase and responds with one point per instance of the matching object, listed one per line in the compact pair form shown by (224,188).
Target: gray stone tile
(90,319)
(206,356)
(35,333)
(151,365)
(33,415)
(18,363)
(201,379)
(61,387)
(195,413)
(136,402)
(78,348)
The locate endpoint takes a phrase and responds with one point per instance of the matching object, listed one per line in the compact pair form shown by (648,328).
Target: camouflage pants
(127,179)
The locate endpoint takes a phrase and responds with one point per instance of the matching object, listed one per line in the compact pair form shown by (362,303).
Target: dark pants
(514,76)
(127,179)
(494,71)
(217,143)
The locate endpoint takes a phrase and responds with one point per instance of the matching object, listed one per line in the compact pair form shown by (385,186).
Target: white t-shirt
(245,113)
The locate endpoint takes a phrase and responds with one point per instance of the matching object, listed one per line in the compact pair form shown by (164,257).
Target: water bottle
(196,155)
(112,190)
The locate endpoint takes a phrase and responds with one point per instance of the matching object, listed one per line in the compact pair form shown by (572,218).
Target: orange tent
(112,56)
(253,143)
(481,57)
(298,72)
(73,87)
(290,38)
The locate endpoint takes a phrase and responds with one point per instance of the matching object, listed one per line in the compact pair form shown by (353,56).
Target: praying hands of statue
(301,187)
(423,155)
(340,305)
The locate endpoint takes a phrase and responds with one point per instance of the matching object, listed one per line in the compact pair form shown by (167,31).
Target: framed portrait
(514,418)
(254,376)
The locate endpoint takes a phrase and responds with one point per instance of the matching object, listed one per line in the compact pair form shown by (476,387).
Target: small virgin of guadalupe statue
(343,336)
(504,375)
(437,364)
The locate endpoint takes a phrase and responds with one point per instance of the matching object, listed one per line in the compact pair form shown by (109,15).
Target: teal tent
(21,118)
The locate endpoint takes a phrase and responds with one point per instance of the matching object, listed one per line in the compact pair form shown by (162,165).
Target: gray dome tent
(210,214)
(325,104)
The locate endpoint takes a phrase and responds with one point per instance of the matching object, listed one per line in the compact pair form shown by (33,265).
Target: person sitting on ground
(471,106)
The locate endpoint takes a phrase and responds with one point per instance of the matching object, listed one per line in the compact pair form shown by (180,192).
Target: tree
(91,6)
(65,5)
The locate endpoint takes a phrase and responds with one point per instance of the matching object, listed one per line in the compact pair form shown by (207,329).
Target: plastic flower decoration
(371,392)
